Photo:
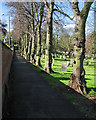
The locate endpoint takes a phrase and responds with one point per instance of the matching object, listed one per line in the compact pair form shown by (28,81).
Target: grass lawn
(64,78)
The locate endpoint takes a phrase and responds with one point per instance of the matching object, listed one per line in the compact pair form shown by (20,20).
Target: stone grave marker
(60,56)
(64,57)
(66,52)
(52,61)
(68,63)
(92,58)
(64,67)
(71,61)
(88,63)
(43,55)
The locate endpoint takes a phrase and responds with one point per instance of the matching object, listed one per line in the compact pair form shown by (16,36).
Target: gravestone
(88,63)
(68,63)
(52,61)
(56,55)
(92,58)
(71,61)
(64,67)
(64,57)
(66,52)
(60,56)
(43,56)
(86,56)
(63,52)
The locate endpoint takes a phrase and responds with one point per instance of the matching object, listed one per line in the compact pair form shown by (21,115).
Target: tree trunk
(33,48)
(48,51)
(29,48)
(33,38)
(77,79)
(38,54)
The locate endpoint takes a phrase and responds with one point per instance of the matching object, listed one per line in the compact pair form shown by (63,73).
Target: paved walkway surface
(32,97)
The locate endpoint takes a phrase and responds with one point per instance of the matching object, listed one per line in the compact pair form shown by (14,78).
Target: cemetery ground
(59,81)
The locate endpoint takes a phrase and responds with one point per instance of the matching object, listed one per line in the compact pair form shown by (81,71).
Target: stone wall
(6,60)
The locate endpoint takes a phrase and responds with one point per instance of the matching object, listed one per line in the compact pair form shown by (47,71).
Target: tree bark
(77,79)
(33,38)
(29,48)
(48,51)
(38,54)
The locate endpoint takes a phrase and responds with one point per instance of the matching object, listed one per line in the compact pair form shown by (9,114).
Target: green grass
(64,78)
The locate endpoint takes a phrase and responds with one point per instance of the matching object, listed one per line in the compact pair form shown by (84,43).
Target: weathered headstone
(71,61)
(64,67)
(64,57)
(60,56)
(43,56)
(52,61)
(88,63)
(68,63)
(92,58)
(86,56)
(67,52)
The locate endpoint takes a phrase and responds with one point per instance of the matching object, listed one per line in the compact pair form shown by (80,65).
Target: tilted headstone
(64,67)
(68,63)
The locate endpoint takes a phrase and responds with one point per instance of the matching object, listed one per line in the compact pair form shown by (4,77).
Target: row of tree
(29,22)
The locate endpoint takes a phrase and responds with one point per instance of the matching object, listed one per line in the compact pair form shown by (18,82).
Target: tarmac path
(30,96)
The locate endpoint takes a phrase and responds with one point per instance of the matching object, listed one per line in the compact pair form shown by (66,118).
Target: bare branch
(63,13)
